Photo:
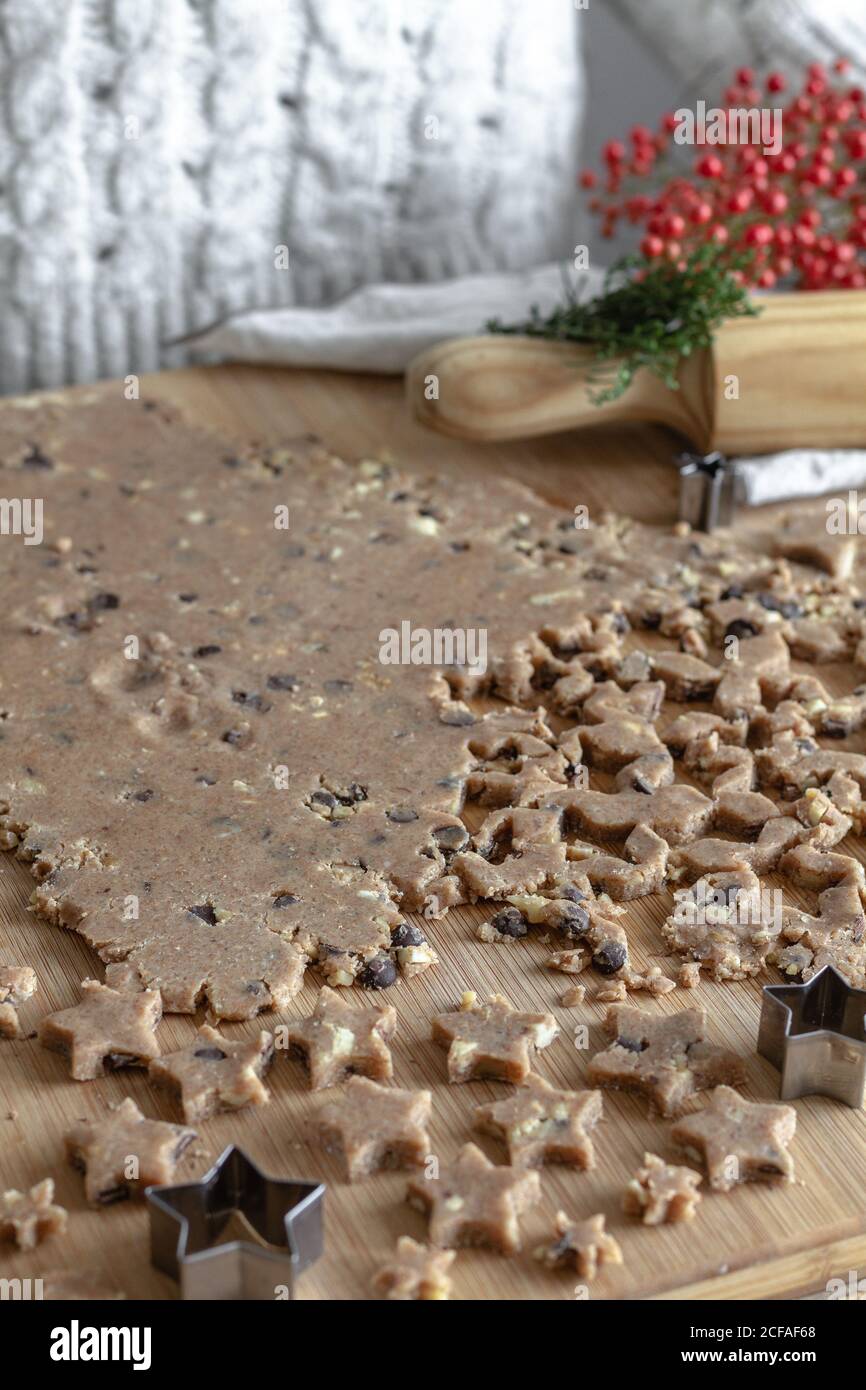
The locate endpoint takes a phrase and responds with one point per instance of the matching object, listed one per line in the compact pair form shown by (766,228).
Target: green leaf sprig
(653,319)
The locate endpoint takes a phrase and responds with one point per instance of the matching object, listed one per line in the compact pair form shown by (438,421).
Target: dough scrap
(415,1273)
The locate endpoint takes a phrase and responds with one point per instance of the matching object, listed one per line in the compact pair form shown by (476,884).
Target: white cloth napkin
(380,328)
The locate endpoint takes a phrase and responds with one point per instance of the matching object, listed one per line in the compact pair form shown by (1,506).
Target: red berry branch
(800,213)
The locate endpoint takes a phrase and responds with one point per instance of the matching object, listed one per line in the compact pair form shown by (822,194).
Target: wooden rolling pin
(794,376)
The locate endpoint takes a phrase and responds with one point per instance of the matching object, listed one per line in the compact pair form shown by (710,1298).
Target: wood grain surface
(756,1241)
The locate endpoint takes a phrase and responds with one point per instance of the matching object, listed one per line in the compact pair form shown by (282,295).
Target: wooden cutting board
(754,1242)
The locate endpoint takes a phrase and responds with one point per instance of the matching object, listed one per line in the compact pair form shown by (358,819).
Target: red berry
(745,76)
(709,166)
(740,201)
(700,213)
(767,279)
(776,82)
(841,65)
(613,152)
(775,202)
(820,175)
(759,234)
(652,246)
(588,179)
(676,225)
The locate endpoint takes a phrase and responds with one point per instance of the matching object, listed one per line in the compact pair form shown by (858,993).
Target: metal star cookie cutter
(710,488)
(815,1034)
(187,1219)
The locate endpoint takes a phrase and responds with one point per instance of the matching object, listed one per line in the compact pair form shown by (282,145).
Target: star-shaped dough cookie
(416,1273)
(375,1127)
(107,1030)
(663,1056)
(492,1039)
(215,1074)
(474,1202)
(124,1153)
(28,1217)
(580,1245)
(17,984)
(739,1140)
(661,1192)
(540,1124)
(337,1040)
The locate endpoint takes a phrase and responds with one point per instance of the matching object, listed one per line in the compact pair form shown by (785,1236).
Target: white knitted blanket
(156,155)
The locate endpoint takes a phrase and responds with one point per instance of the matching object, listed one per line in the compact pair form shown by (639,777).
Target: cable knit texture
(155,153)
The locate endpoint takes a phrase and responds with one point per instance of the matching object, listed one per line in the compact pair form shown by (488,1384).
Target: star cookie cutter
(186,1220)
(815,1035)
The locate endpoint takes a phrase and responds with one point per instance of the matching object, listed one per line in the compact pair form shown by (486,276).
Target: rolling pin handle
(709,490)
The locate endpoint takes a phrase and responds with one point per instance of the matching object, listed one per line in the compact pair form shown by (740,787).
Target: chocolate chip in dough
(786,607)
(509,922)
(610,958)
(450,838)
(36,459)
(570,918)
(741,627)
(100,603)
(205,912)
(405,934)
(378,973)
